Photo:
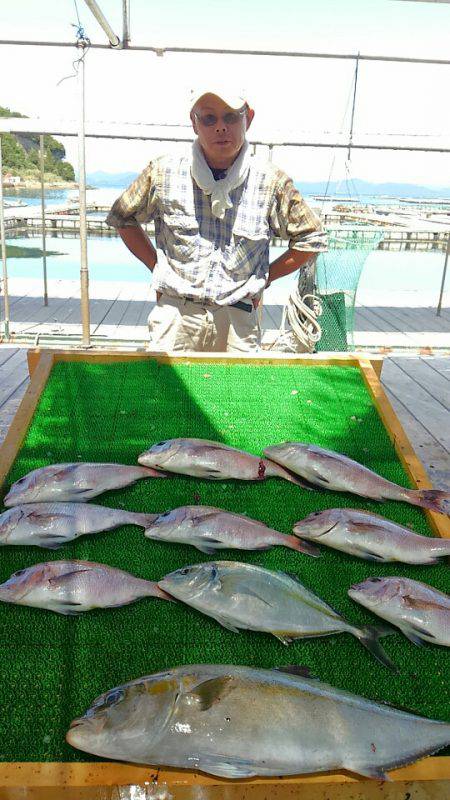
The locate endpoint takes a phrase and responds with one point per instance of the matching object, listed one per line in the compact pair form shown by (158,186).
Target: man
(214,214)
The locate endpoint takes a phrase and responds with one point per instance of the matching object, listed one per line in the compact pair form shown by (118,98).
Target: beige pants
(177,324)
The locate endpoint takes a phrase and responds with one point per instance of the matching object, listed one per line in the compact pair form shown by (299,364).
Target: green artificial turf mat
(52,667)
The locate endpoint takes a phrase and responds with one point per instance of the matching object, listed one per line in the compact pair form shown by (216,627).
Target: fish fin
(61,580)
(198,520)
(295,543)
(368,555)
(283,639)
(225,624)
(205,549)
(68,608)
(416,635)
(235,768)
(209,692)
(274,470)
(39,518)
(369,771)
(296,669)
(238,586)
(369,636)
(422,605)
(51,544)
(362,527)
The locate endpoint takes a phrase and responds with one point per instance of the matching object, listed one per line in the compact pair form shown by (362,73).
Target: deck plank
(419,402)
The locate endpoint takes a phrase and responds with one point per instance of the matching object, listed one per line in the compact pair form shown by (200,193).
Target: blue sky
(295,96)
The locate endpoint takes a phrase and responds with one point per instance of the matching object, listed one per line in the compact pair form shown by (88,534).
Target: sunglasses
(230,118)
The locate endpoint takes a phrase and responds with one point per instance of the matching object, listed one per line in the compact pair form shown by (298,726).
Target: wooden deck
(418,387)
(119,313)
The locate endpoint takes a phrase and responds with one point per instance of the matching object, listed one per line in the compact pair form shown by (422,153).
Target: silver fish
(202,458)
(421,612)
(209,529)
(240,722)
(69,587)
(51,525)
(370,536)
(253,598)
(74,482)
(332,470)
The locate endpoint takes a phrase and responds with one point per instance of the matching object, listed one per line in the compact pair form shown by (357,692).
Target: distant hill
(103,180)
(355,188)
(20,152)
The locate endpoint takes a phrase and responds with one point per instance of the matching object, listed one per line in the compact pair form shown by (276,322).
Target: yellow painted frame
(53,780)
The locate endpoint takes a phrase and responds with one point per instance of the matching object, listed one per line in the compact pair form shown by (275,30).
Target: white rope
(301,313)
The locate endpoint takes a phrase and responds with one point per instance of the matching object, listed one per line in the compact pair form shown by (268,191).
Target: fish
(241,722)
(202,458)
(75,482)
(248,597)
(209,529)
(370,536)
(420,611)
(70,587)
(331,470)
(51,525)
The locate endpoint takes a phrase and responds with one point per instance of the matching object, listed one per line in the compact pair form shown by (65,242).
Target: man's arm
(138,243)
(288,262)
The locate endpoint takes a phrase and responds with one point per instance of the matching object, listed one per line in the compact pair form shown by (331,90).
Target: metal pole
(44,249)
(444,275)
(103,22)
(126,23)
(223,51)
(353,109)
(2,236)
(84,269)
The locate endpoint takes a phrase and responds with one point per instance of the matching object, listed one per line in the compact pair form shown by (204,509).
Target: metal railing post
(44,247)
(3,240)
(84,269)
(444,275)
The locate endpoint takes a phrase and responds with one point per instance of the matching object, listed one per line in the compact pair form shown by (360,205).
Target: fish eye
(375,580)
(114,697)
(185,571)
(20,572)
(166,514)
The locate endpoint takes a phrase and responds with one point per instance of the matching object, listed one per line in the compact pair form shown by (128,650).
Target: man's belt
(243,306)
(240,304)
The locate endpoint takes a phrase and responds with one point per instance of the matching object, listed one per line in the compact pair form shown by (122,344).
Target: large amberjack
(239,722)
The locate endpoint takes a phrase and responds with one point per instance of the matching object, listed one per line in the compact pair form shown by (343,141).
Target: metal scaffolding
(65,129)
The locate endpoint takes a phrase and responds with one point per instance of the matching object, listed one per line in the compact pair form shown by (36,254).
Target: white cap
(232,96)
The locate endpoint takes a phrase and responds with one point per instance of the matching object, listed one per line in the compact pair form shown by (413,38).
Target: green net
(52,667)
(337,276)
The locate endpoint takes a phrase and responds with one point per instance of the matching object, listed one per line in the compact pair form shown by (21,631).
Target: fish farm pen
(109,407)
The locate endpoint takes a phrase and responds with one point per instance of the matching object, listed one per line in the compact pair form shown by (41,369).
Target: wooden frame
(50,779)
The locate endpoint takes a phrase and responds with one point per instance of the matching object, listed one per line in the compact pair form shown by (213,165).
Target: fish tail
(273,470)
(301,546)
(369,636)
(149,472)
(155,591)
(143,520)
(434,499)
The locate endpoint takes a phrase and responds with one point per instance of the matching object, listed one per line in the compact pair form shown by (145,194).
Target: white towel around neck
(219,190)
